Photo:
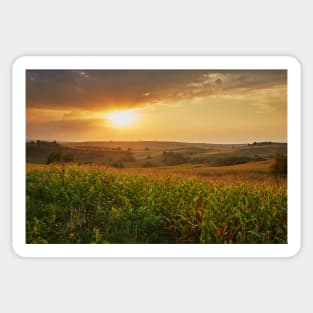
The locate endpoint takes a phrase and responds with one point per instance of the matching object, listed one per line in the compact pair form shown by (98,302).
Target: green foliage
(84,205)
(280,166)
(54,157)
(131,154)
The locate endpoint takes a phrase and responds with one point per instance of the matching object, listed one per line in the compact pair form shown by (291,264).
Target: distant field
(154,153)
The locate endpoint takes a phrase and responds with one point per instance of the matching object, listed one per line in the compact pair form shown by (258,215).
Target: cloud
(67,129)
(98,88)
(221,82)
(102,90)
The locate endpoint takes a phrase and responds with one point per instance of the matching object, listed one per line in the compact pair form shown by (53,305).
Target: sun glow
(121,118)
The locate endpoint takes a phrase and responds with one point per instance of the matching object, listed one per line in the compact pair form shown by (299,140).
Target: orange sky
(216,106)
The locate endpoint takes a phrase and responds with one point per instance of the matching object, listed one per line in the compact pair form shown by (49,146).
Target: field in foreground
(86,204)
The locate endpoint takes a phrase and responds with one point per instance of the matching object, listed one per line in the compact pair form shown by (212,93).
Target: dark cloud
(104,89)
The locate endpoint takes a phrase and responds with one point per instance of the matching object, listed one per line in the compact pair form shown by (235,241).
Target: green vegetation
(56,157)
(153,153)
(280,165)
(41,152)
(156,192)
(81,204)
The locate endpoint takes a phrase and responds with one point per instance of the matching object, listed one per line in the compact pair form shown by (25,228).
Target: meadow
(188,203)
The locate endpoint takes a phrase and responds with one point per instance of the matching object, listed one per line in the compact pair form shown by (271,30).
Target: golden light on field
(121,118)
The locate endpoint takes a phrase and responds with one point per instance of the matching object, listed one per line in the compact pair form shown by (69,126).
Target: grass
(94,204)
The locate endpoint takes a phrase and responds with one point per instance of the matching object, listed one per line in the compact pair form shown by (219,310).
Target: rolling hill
(154,153)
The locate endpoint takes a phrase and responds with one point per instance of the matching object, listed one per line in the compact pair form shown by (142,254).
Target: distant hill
(154,153)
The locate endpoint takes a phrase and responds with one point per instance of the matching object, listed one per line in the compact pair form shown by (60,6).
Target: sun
(121,118)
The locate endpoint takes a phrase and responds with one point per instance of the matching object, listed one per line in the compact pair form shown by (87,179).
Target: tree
(53,157)
(281,164)
(56,157)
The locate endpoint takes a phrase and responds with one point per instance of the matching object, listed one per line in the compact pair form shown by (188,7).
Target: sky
(213,106)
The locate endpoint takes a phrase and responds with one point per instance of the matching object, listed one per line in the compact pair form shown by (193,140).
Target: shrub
(54,157)
(281,164)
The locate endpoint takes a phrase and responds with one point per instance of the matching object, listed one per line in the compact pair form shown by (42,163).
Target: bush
(281,164)
(54,157)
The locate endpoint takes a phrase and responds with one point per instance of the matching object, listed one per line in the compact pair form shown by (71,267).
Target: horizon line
(172,141)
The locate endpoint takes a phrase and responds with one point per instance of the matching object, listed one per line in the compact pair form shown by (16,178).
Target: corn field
(77,204)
